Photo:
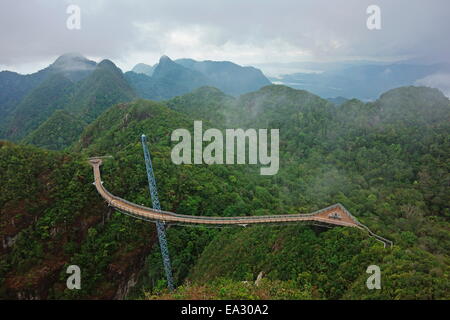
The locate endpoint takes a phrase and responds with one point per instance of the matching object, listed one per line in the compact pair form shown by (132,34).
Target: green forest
(386,161)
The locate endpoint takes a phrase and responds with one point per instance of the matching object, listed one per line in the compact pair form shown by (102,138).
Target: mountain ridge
(225,75)
(84,97)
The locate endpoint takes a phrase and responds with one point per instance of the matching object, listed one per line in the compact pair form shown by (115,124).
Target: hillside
(37,107)
(50,217)
(143,68)
(227,76)
(83,93)
(168,78)
(353,155)
(108,246)
(386,161)
(376,159)
(206,103)
(85,89)
(14,87)
(105,87)
(57,132)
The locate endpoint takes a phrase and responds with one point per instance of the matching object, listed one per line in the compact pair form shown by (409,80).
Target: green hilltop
(57,132)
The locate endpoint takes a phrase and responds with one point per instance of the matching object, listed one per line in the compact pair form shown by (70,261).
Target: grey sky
(33,32)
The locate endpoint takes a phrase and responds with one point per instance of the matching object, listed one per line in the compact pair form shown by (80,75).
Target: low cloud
(247,32)
(440,81)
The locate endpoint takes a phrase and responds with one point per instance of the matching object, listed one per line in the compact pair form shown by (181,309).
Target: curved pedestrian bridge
(335,215)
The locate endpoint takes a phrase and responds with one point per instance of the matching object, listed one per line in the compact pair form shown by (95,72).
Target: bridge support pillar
(160,226)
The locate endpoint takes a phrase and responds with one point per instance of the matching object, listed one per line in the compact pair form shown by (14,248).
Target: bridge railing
(110,198)
(243,219)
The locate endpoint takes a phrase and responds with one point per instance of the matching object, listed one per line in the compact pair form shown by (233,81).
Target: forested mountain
(168,78)
(144,68)
(374,158)
(83,92)
(387,162)
(72,66)
(52,230)
(338,100)
(227,76)
(104,87)
(85,89)
(57,132)
(14,87)
(206,103)
(37,106)
(50,215)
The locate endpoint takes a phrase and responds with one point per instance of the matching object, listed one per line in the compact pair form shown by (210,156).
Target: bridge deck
(334,215)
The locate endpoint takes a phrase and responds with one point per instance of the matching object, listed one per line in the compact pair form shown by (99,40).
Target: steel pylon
(160,226)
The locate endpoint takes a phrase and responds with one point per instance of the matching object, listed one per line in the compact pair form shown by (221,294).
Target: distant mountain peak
(165,61)
(143,68)
(72,62)
(107,64)
(164,58)
(168,67)
(72,55)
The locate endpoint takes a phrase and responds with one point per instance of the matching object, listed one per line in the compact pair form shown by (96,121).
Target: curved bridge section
(335,215)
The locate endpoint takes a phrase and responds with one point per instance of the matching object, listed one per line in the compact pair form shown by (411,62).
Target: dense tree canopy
(386,161)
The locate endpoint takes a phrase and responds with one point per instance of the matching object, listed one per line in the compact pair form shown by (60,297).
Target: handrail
(321,216)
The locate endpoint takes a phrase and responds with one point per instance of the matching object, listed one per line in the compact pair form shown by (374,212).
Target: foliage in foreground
(226,289)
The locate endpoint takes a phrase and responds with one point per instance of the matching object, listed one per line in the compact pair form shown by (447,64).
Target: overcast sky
(33,32)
